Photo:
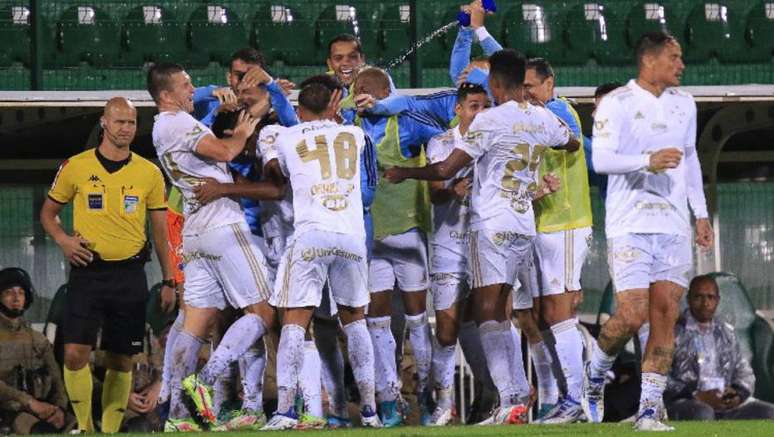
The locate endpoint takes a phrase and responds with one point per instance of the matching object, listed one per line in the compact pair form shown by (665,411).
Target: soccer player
(401,216)
(449,246)
(321,160)
(645,140)
(506,143)
(562,242)
(223,266)
(113,192)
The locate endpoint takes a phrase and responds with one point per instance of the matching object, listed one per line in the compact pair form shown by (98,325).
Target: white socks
(498,343)
(361,358)
(309,382)
(600,362)
(326,337)
(652,393)
(387,388)
(290,359)
(251,367)
(569,350)
(548,391)
(443,373)
(166,370)
(517,363)
(239,337)
(420,337)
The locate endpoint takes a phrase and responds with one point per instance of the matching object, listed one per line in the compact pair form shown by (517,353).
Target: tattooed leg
(664,311)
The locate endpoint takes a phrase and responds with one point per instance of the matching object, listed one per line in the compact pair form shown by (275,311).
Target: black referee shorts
(110,296)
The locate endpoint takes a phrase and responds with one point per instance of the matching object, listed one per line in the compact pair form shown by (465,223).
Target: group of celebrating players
(309,219)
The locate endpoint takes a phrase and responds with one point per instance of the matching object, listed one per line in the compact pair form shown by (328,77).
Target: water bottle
(464,18)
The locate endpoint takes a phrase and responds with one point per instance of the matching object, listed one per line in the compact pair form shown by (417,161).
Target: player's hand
(228,107)
(286,85)
(57,419)
(731,398)
(364,102)
(713,398)
(75,251)
(151,393)
(550,184)
(394,175)
(168,299)
(43,410)
(665,159)
(704,235)
(477,13)
(463,77)
(255,76)
(462,187)
(225,95)
(209,191)
(245,125)
(332,111)
(138,403)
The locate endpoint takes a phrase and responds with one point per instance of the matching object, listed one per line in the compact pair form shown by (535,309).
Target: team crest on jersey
(130,204)
(600,124)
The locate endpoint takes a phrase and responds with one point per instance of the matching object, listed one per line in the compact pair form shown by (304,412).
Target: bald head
(119,122)
(373,81)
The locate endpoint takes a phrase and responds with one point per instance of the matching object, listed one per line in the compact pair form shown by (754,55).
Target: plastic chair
(760,31)
(333,21)
(714,29)
(215,33)
(151,34)
(281,18)
(88,34)
(537,28)
(648,16)
(594,29)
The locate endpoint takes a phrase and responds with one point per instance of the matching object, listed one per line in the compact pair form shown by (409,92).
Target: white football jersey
(175,136)
(632,121)
(276,215)
(322,161)
(449,241)
(507,143)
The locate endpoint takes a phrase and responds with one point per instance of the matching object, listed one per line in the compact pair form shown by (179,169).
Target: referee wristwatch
(169,283)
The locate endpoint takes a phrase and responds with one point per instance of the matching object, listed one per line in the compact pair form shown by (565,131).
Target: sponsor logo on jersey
(94,178)
(311,253)
(130,204)
(95,201)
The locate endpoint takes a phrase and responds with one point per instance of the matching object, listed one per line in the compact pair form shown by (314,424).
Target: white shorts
(497,257)
(448,289)
(560,259)
(314,257)
(638,260)
(399,258)
(224,266)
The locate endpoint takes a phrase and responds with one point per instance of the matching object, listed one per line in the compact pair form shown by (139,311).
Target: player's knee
(75,359)
(446,337)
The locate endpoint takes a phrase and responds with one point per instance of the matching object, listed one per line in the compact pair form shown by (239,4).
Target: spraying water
(431,36)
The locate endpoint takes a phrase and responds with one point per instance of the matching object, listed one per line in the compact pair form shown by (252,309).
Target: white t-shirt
(276,215)
(175,136)
(633,122)
(506,143)
(449,241)
(322,161)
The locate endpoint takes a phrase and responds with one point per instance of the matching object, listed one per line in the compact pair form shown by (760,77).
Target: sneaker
(389,414)
(242,420)
(369,418)
(336,422)
(649,419)
(441,416)
(567,410)
(181,425)
(513,415)
(426,408)
(201,396)
(307,421)
(593,397)
(546,409)
(281,421)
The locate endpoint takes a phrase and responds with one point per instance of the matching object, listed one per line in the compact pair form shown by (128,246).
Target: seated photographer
(710,379)
(32,395)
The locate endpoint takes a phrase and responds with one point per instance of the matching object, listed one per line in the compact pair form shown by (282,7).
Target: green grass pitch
(702,429)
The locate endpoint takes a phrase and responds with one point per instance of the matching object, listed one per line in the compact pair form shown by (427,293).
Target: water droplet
(429,37)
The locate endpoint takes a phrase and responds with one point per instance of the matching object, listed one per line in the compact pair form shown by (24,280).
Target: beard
(11,313)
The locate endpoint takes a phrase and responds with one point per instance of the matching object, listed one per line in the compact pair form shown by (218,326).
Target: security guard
(112,190)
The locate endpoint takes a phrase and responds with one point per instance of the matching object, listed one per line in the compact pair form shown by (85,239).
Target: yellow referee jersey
(109,209)
(569,207)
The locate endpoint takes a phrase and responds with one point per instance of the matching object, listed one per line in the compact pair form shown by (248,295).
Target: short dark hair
(314,98)
(159,77)
(345,37)
(701,279)
(327,80)
(652,42)
(508,66)
(248,55)
(605,88)
(542,68)
(466,89)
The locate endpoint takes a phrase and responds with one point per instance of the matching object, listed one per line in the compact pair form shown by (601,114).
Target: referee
(111,189)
